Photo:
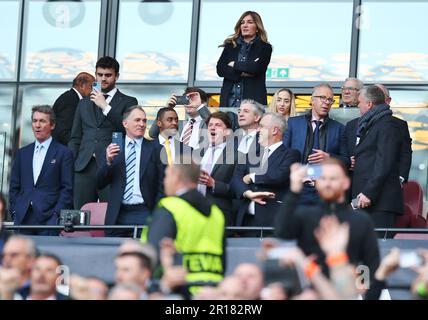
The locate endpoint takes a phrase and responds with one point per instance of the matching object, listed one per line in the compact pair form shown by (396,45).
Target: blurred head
(248,26)
(133,268)
(135,122)
(231,288)
(19,253)
(219,127)
(385,91)
(283,102)
(369,98)
(271,129)
(250,113)
(251,277)
(125,292)
(42,122)
(138,246)
(322,100)
(180,176)
(334,181)
(197,97)
(107,73)
(83,83)
(44,275)
(351,90)
(97,289)
(167,121)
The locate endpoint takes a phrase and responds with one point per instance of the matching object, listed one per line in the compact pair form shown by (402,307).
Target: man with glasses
(316,136)
(350,92)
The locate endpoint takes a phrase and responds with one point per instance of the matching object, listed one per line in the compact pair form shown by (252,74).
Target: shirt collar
(139,141)
(45,143)
(197,119)
(182,191)
(273,147)
(111,93)
(162,139)
(78,93)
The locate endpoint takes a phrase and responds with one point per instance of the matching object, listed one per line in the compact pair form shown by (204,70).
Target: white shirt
(246,141)
(78,93)
(110,94)
(218,150)
(171,145)
(39,157)
(194,138)
(137,197)
(314,124)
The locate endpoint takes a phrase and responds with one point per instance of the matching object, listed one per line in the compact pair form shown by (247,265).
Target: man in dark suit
(262,185)
(219,159)
(376,182)
(171,149)
(350,92)
(405,159)
(134,175)
(196,111)
(250,113)
(316,136)
(41,182)
(65,106)
(95,120)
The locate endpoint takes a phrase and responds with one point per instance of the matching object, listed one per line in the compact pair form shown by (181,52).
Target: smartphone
(410,259)
(182,100)
(354,203)
(117,138)
(314,171)
(287,276)
(96,86)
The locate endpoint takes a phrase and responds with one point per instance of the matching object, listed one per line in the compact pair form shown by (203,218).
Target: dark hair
(129,110)
(336,162)
(162,111)
(144,260)
(373,94)
(108,63)
(46,110)
(50,256)
(202,93)
(221,116)
(82,79)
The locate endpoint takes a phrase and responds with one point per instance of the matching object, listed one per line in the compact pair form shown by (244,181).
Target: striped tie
(188,133)
(130,171)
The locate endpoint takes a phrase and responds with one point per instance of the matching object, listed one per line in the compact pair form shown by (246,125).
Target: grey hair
(31,246)
(373,94)
(322,85)
(384,89)
(46,109)
(360,84)
(257,107)
(277,121)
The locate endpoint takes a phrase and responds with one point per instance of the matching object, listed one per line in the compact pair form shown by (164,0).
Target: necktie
(130,171)
(99,112)
(265,157)
(167,145)
(37,163)
(316,144)
(188,133)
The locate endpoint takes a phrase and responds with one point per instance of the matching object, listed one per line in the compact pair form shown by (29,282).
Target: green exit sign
(278,73)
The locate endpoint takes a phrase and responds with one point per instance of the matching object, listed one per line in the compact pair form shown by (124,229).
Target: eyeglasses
(350,89)
(325,99)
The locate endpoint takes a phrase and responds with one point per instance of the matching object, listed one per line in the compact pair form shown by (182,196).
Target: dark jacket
(299,222)
(376,172)
(64,108)
(257,61)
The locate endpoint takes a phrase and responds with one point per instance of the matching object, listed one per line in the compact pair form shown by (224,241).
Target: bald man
(65,106)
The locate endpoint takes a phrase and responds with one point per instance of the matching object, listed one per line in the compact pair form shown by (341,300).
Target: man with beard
(300,222)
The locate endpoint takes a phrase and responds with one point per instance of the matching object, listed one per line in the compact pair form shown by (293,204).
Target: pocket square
(53,161)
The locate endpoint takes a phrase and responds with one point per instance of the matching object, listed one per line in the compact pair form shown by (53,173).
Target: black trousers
(130,215)
(85,186)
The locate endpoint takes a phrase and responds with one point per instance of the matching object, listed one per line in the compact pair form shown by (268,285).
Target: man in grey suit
(196,111)
(96,118)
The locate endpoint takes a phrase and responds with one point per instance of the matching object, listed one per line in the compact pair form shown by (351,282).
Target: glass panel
(155,46)
(393,44)
(307,46)
(6,102)
(61,39)
(9,37)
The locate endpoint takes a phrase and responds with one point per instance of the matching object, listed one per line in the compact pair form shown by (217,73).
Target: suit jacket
(405,158)
(257,62)
(151,179)
(222,194)
(53,189)
(64,108)
(376,172)
(297,130)
(92,136)
(276,180)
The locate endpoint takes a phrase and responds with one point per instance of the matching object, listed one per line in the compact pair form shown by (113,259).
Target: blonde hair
(260,29)
(273,107)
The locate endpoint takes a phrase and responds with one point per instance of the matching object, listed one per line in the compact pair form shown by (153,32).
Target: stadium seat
(413,206)
(98,213)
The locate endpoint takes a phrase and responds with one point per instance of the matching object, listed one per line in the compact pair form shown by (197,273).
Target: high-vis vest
(199,239)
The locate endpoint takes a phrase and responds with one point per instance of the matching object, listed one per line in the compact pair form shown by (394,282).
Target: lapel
(50,156)
(304,131)
(31,156)
(277,153)
(114,102)
(146,151)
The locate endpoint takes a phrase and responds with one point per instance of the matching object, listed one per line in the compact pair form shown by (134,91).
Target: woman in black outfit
(244,61)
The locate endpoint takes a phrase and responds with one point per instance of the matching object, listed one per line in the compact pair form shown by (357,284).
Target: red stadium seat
(413,206)
(98,213)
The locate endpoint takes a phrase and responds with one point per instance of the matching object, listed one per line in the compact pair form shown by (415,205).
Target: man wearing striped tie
(134,174)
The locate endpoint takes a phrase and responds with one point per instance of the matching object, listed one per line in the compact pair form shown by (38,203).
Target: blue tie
(316,144)
(130,171)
